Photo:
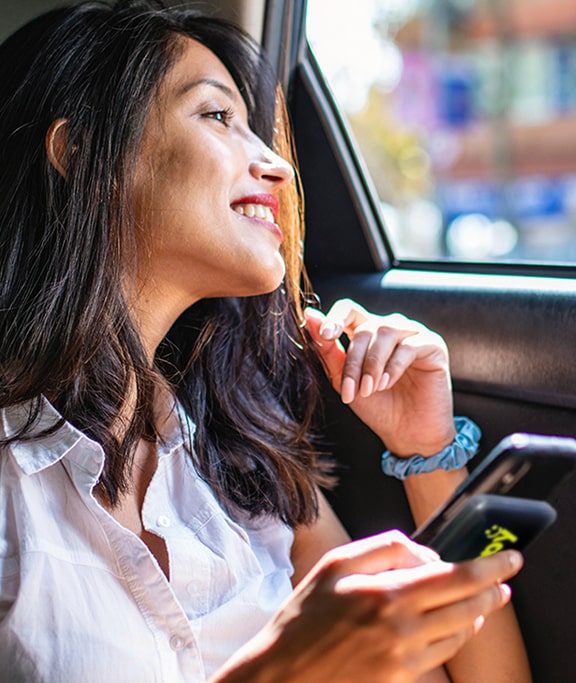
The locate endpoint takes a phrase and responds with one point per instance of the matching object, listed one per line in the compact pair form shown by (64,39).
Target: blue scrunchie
(453,457)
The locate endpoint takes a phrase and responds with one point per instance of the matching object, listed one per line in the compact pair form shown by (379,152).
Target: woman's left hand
(394,375)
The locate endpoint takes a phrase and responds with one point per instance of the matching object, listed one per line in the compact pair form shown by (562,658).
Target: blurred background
(465,114)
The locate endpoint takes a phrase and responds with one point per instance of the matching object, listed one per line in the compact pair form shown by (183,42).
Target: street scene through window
(465,114)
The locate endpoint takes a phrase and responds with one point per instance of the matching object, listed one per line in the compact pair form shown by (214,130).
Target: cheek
(160,187)
(184,180)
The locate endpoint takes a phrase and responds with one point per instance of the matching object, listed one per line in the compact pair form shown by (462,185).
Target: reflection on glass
(465,113)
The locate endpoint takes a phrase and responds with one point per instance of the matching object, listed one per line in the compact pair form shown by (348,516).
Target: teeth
(255,211)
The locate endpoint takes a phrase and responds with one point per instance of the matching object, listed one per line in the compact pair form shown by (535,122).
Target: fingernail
(366,386)
(313,312)
(505,592)
(516,560)
(330,331)
(348,390)
(478,623)
(383,381)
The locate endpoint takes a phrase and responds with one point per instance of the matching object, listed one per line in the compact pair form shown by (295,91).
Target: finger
(372,346)
(376,554)
(427,349)
(402,357)
(353,370)
(458,625)
(438,653)
(344,368)
(376,351)
(430,638)
(313,320)
(344,316)
(465,614)
(373,340)
(442,583)
(331,352)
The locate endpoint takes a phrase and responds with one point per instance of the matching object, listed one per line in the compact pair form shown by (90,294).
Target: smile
(255,211)
(264,207)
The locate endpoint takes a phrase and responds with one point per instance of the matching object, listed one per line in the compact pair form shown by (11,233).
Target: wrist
(453,456)
(424,447)
(431,437)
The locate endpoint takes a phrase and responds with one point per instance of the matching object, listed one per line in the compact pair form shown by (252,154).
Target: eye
(223,116)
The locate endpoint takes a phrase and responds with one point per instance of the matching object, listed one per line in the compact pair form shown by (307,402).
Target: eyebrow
(187,87)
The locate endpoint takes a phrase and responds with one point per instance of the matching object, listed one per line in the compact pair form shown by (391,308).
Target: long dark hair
(242,368)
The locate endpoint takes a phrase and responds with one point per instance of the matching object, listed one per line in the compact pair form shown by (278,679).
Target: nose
(269,167)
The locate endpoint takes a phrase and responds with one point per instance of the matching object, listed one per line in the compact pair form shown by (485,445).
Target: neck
(154,312)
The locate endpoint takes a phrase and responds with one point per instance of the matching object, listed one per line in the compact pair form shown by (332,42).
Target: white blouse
(82,599)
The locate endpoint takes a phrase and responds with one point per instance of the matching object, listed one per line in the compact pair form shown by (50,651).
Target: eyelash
(223,116)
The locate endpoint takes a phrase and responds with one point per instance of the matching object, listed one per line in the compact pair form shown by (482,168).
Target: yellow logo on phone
(498,536)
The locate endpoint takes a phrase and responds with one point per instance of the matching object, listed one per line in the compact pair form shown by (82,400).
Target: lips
(262,206)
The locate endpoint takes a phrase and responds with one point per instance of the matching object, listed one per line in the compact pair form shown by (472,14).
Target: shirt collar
(37,454)
(177,431)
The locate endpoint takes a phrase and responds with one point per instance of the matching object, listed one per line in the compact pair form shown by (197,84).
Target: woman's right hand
(381,610)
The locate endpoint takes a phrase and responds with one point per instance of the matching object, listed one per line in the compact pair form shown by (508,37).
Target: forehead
(196,68)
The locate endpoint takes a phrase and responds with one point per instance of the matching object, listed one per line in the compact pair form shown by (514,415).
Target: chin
(271,279)
(265,287)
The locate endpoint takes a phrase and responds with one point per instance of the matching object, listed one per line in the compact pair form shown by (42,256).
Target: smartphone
(528,466)
(490,523)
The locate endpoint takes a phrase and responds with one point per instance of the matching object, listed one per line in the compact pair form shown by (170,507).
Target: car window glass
(465,114)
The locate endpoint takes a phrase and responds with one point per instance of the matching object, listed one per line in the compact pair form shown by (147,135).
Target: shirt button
(163,521)
(177,643)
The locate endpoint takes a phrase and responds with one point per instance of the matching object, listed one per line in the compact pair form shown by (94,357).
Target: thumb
(331,351)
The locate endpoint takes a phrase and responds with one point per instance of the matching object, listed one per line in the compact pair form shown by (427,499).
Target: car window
(465,114)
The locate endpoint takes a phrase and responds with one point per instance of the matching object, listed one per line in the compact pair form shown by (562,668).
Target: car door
(509,324)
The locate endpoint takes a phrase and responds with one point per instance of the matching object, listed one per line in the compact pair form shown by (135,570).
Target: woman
(158,481)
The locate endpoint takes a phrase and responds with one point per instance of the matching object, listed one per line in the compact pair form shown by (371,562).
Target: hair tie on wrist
(453,457)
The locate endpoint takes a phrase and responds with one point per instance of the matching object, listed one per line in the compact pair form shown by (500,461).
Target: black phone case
(491,523)
(528,466)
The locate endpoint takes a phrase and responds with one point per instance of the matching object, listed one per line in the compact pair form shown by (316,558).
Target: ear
(56,143)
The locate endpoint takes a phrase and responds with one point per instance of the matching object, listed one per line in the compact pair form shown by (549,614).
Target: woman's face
(205,191)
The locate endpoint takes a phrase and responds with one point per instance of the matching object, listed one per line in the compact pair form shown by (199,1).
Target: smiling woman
(158,379)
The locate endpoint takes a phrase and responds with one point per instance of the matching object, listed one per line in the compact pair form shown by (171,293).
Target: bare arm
(312,542)
(395,376)
(497,653)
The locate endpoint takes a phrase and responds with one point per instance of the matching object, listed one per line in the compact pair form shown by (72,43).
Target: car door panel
(512,364)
